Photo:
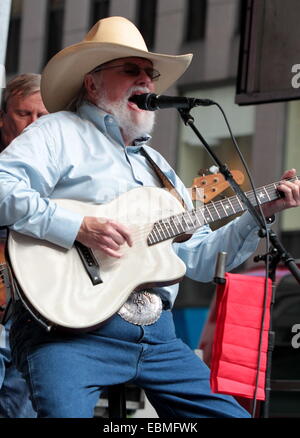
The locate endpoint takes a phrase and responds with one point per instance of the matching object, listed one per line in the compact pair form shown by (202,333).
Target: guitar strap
(163,178)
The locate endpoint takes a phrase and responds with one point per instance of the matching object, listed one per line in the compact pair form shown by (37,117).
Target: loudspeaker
(269,60)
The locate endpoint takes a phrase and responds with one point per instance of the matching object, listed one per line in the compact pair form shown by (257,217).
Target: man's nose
(33,117)
(144,79)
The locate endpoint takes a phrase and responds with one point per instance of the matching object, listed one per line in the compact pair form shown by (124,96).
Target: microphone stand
(278,253)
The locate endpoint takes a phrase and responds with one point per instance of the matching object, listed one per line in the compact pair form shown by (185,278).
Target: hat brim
(63,76)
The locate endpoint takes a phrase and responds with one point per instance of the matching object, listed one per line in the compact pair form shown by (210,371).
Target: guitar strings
(211,208)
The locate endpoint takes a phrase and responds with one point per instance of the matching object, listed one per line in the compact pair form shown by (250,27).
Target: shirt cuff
(64,227)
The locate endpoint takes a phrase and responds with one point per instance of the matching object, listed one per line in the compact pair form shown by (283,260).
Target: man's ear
(90,86)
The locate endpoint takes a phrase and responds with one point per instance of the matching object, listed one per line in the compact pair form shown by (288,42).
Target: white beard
(132,126)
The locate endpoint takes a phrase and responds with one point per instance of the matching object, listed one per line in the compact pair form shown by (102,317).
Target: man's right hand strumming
(104,234)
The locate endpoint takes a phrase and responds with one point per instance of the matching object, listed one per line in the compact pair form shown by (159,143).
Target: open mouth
(133,105)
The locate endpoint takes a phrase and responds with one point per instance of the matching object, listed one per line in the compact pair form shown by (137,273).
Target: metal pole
(5,6)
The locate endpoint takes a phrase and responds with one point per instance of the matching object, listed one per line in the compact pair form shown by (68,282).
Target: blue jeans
(67,373)
(14,392)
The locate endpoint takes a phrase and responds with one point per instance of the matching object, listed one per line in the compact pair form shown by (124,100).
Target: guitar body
(54,284)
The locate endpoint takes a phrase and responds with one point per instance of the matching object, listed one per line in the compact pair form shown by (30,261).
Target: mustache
(136,89)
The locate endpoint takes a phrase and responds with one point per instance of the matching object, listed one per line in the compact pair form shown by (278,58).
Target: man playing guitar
(74,176)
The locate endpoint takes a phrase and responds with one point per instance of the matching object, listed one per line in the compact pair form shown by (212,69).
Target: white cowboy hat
(110,38)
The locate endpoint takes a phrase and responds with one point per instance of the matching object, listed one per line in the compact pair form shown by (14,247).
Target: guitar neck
(189,221)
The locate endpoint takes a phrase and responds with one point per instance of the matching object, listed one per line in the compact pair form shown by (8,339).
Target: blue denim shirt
(82,156)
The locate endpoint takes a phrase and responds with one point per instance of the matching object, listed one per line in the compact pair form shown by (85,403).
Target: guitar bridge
(89,262)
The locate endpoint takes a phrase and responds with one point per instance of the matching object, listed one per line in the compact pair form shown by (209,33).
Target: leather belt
(141,308)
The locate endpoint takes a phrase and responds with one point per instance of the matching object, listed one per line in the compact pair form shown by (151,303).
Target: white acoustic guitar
(79,289)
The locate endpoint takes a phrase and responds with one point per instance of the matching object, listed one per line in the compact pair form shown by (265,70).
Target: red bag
(239,311)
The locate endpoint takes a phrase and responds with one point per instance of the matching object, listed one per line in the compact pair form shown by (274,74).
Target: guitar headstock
(212,185)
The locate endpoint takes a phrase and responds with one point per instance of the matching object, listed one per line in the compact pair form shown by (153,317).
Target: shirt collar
(94,114)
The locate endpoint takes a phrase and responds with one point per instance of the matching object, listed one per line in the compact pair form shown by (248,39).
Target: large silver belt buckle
(141,308)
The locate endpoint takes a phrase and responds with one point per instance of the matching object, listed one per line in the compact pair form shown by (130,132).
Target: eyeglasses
(133,70)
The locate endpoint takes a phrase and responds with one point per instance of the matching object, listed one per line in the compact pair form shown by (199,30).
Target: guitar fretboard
(189,221)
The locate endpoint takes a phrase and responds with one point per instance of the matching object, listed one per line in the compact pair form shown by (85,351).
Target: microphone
(152,102)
